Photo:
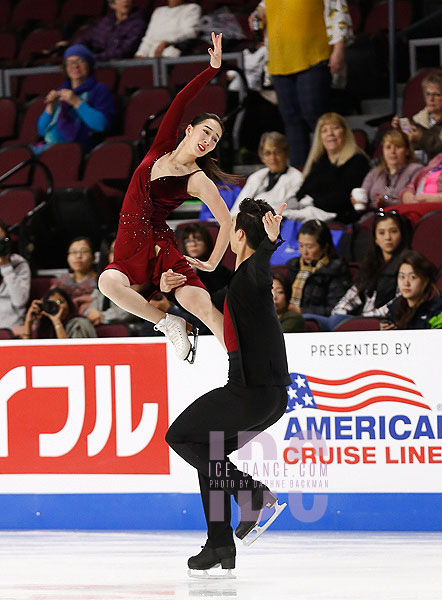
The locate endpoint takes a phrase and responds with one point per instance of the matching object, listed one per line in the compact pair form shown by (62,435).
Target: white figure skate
(175,329)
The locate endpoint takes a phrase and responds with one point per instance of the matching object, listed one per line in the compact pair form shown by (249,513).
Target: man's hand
(170,280)
(272,223)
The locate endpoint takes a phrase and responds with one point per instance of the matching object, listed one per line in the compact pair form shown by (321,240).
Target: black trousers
(230,409)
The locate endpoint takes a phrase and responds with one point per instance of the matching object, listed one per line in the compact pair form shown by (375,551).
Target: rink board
(82,428)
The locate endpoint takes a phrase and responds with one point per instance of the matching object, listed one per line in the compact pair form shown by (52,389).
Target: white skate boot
(175,329)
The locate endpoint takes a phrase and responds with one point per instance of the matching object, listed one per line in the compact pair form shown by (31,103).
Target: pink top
(430,185)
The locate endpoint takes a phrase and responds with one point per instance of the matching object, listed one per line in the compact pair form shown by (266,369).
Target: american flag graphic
(352,393)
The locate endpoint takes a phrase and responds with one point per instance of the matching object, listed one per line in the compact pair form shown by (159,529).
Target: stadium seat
(107,75)
(8,115)
(15,203)
(28,132)
(361,138)
(6,334)
(108,160)
(30,10)
(141,105)
(135,78)
(9,158)
(112,330)
(85,8)
(39,287)
(413,99)
(377,19)
(359,324)
(8,46)
(38,84)
(64,161)
(5,11)
(312,325)
(37,41)
(213,100)
(427,235)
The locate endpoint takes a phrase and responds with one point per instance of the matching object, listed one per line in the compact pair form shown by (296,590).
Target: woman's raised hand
(217,51)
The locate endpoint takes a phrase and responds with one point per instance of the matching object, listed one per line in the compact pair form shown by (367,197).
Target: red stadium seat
(8,114)
(135,78)
(427,235)
(312,325)
(38,40)
(112,330)
(85,8)
(8,46)
(39,287)
(413,100)
(213,100)
(64,161)
(9,158)
(39,84)
(15,203)
(106,75)
(30,10)
(5,11)
(28,132)
(6,334)
(109,160)
(141,105)
(359,324)
(377,19)
(361,138)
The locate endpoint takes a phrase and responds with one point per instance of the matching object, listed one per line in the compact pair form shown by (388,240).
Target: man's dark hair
(249,219)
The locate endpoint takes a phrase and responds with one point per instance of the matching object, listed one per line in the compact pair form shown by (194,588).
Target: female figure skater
(145,246)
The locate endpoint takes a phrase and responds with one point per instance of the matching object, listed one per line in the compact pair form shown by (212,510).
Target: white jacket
(14,291)
(284,190)
(171,25)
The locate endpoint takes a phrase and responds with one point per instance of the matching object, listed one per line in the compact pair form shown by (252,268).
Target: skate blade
(206,574)
(258,530)
(192,352)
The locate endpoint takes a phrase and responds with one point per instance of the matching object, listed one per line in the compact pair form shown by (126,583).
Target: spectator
(384,183)
(79,110)
(419,305)
(81,280)
(335,166)
(291,321)
(55,316)
(116,35)
(198,243)
(103,311)
(426,186)
(306,46)
(426,127)
(277,182)
(15,283)
(375,286)
(168,26)
(318,277)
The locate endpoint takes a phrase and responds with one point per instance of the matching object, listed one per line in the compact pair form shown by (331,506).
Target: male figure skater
(254,397)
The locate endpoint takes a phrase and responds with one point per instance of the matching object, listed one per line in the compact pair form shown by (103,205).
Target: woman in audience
(335,165)
(81,280)
(384,183)
(55,317)
(277,182)
(419,305)
(318,277)
(15,283)
(80,109)
(290,320)
(426,186)
(101,310)
(426,128)
(375,286)
(198,243)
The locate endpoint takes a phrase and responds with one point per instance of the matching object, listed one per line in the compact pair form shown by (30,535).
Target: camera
(5,246)
(50,307)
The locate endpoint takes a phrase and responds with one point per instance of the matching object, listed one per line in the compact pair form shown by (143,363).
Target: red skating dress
(147,204)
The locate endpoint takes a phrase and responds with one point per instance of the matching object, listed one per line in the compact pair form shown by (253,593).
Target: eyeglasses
(432,94)
(194,240)
(74,61)
(79,252)
(269,153)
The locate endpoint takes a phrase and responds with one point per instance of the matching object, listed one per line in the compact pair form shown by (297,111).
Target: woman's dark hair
(320,231)
(373,264)
(208,163)
(276,274)
(45,329)
(249,219)
(198,229)
(106,243)
(424,269)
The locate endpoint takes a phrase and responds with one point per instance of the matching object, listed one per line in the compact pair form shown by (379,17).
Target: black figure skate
(211,558)
(248,528)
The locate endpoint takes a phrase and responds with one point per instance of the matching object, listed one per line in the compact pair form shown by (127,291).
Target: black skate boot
(211,558)
(251,512)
